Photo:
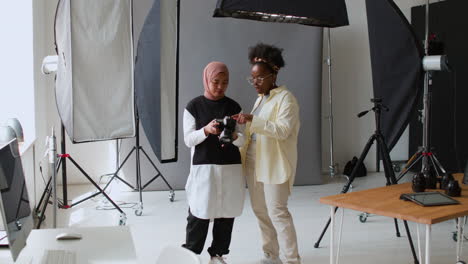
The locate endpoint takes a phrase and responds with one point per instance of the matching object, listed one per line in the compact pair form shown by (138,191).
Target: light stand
(49,65)
(52,159)
(427,106)
(137,148)
(50,188)
(332,167)
(425,152)
(64,167)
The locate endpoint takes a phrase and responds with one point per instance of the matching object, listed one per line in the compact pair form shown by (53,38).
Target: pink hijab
(210,71)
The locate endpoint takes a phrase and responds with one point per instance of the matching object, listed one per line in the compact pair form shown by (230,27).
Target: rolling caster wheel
(18,225)
(455,236)
(39,215)
(123,219)
(171,196)
(363,217)
(139,210)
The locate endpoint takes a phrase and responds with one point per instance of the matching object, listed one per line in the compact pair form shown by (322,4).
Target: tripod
(137,148)
(389,174)
(50,188)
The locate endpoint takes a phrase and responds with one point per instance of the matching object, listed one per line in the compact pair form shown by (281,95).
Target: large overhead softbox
(156,78)
(396,58)
(311,12)
(94,86)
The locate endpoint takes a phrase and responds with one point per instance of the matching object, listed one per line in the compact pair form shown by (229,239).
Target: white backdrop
(204,39)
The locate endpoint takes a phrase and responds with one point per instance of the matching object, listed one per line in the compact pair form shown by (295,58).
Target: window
(17,65)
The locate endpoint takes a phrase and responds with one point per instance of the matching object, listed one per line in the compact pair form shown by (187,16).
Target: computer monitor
(14,201)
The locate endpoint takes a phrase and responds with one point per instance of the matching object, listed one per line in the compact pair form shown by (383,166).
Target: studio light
(157,78)
(95,82)
(436,63)
(15,124)
(397,68)
(103,90)
(6,134)
(329,13)
(49,64)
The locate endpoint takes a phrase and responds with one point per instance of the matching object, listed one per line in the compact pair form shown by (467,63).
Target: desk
(103,245)
(385,201)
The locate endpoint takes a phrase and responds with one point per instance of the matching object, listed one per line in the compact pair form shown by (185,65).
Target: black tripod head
(378,106)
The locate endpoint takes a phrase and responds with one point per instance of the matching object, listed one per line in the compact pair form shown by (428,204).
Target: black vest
(210,151)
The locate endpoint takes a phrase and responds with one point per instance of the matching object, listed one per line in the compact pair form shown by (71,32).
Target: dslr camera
(227,125)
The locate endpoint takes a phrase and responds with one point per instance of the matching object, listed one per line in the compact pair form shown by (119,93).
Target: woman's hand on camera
(243,118)
(211,128)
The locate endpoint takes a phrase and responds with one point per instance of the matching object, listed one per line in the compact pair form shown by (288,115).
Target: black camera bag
(361,171)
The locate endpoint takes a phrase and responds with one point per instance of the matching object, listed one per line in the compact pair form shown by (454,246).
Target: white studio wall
(204,39)
(16,68)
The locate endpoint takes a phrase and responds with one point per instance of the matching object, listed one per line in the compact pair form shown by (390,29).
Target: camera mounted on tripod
(227,125)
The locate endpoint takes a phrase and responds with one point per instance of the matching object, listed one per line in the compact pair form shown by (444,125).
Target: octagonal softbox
(396,59)
(329,13)
(94,85)
(156,77)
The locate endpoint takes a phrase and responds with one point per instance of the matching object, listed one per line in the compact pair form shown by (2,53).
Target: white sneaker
(267,259)
(217,260)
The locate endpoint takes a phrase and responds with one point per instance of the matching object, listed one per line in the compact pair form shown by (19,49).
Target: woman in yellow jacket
(269,155)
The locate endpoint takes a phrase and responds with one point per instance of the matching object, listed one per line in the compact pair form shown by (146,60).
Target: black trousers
(197,230)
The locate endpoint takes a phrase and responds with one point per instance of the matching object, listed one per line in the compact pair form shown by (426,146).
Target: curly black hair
(266,54)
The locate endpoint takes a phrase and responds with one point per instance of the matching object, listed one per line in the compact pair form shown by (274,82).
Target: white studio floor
(163,223)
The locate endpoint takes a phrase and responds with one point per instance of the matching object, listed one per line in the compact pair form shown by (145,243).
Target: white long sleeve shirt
(215,188)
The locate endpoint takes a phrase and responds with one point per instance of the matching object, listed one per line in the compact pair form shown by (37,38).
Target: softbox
(307,12)
(94,85)
(396,59)
(156,78)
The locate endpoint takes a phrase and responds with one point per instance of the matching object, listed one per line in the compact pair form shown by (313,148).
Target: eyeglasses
(259,80)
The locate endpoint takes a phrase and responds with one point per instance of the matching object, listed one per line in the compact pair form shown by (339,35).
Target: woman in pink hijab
(215,186)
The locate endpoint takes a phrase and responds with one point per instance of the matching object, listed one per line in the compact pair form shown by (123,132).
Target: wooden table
(386,201)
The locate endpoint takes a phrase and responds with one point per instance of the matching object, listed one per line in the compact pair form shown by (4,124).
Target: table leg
(460,224)
(419,243)
(332,234)
(428,244)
